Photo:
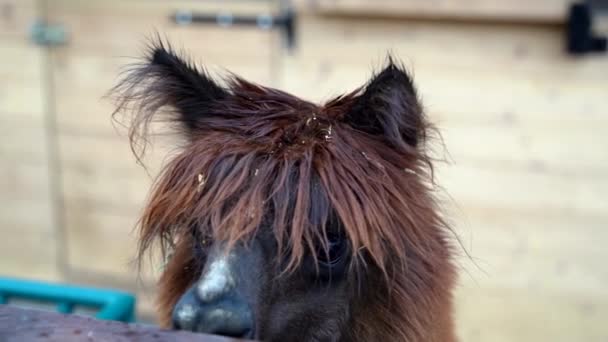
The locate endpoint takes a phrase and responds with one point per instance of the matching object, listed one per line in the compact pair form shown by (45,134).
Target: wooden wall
(523,123)
(27,222)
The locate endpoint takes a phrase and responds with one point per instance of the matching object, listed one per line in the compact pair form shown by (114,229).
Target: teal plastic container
(112,305)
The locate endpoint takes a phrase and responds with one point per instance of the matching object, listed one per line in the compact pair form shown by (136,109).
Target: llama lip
(186,316)
(226,322)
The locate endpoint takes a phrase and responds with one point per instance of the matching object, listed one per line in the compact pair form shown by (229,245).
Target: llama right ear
(170,81)
(388,108)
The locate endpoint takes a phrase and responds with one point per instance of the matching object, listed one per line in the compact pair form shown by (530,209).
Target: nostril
(185,317)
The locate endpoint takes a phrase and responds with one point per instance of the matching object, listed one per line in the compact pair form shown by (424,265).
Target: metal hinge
(45,34)
(285,21)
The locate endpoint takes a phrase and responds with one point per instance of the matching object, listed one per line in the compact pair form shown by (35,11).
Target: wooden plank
(21,94)
(124,24)
(544,11)
(27,325)
(25,181)
(513,98)
(505,315)
(28,253)
(564,148)
(528,51)
(105,243)
(16,16)
(531,251)
(85,71)
(29,244)
(100,241)
(113,191)
(22,141)
(113,153)
(109,178)
(24,214)
(471,185)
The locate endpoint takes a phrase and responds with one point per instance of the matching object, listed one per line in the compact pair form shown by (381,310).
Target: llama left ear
(181,85)
(388,108)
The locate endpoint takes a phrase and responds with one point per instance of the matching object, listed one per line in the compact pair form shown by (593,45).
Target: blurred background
(524,122)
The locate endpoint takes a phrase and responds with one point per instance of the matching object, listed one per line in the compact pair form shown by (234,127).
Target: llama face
(241,292)
(292,221)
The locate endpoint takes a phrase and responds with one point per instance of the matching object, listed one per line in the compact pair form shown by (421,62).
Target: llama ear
(388,107)
(179,84)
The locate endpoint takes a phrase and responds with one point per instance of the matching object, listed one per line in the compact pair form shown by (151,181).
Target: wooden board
(27,215)
(99,240)
(29,244)
(27,325)
(504,246)
(523,50)
(545,11)
(505,315)
(22,112)
(523,189)
(16,16)
(29,254)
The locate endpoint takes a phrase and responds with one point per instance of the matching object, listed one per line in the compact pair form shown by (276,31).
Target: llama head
(288,220)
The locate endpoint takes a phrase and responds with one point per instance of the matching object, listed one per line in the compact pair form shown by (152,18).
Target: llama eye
(335,253)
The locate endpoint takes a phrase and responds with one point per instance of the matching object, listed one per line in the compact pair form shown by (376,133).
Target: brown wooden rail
(26,325)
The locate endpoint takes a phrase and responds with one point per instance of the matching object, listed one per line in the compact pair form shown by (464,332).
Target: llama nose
(213,306)
(226,316)
(217,281)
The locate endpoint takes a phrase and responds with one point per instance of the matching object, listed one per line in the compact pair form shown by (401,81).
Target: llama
(284,220)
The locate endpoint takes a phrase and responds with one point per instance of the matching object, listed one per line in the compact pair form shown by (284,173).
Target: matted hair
(257,156)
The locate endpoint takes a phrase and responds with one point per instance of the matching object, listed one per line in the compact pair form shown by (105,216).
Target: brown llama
(284,220)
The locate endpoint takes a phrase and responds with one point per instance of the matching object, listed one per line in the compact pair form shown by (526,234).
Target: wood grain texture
(545,11)
(27,217)
(29,244)
(26,325)
(16,16)
(503,314)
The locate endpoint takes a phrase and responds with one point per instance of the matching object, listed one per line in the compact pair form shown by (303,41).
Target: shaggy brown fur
(257,155)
